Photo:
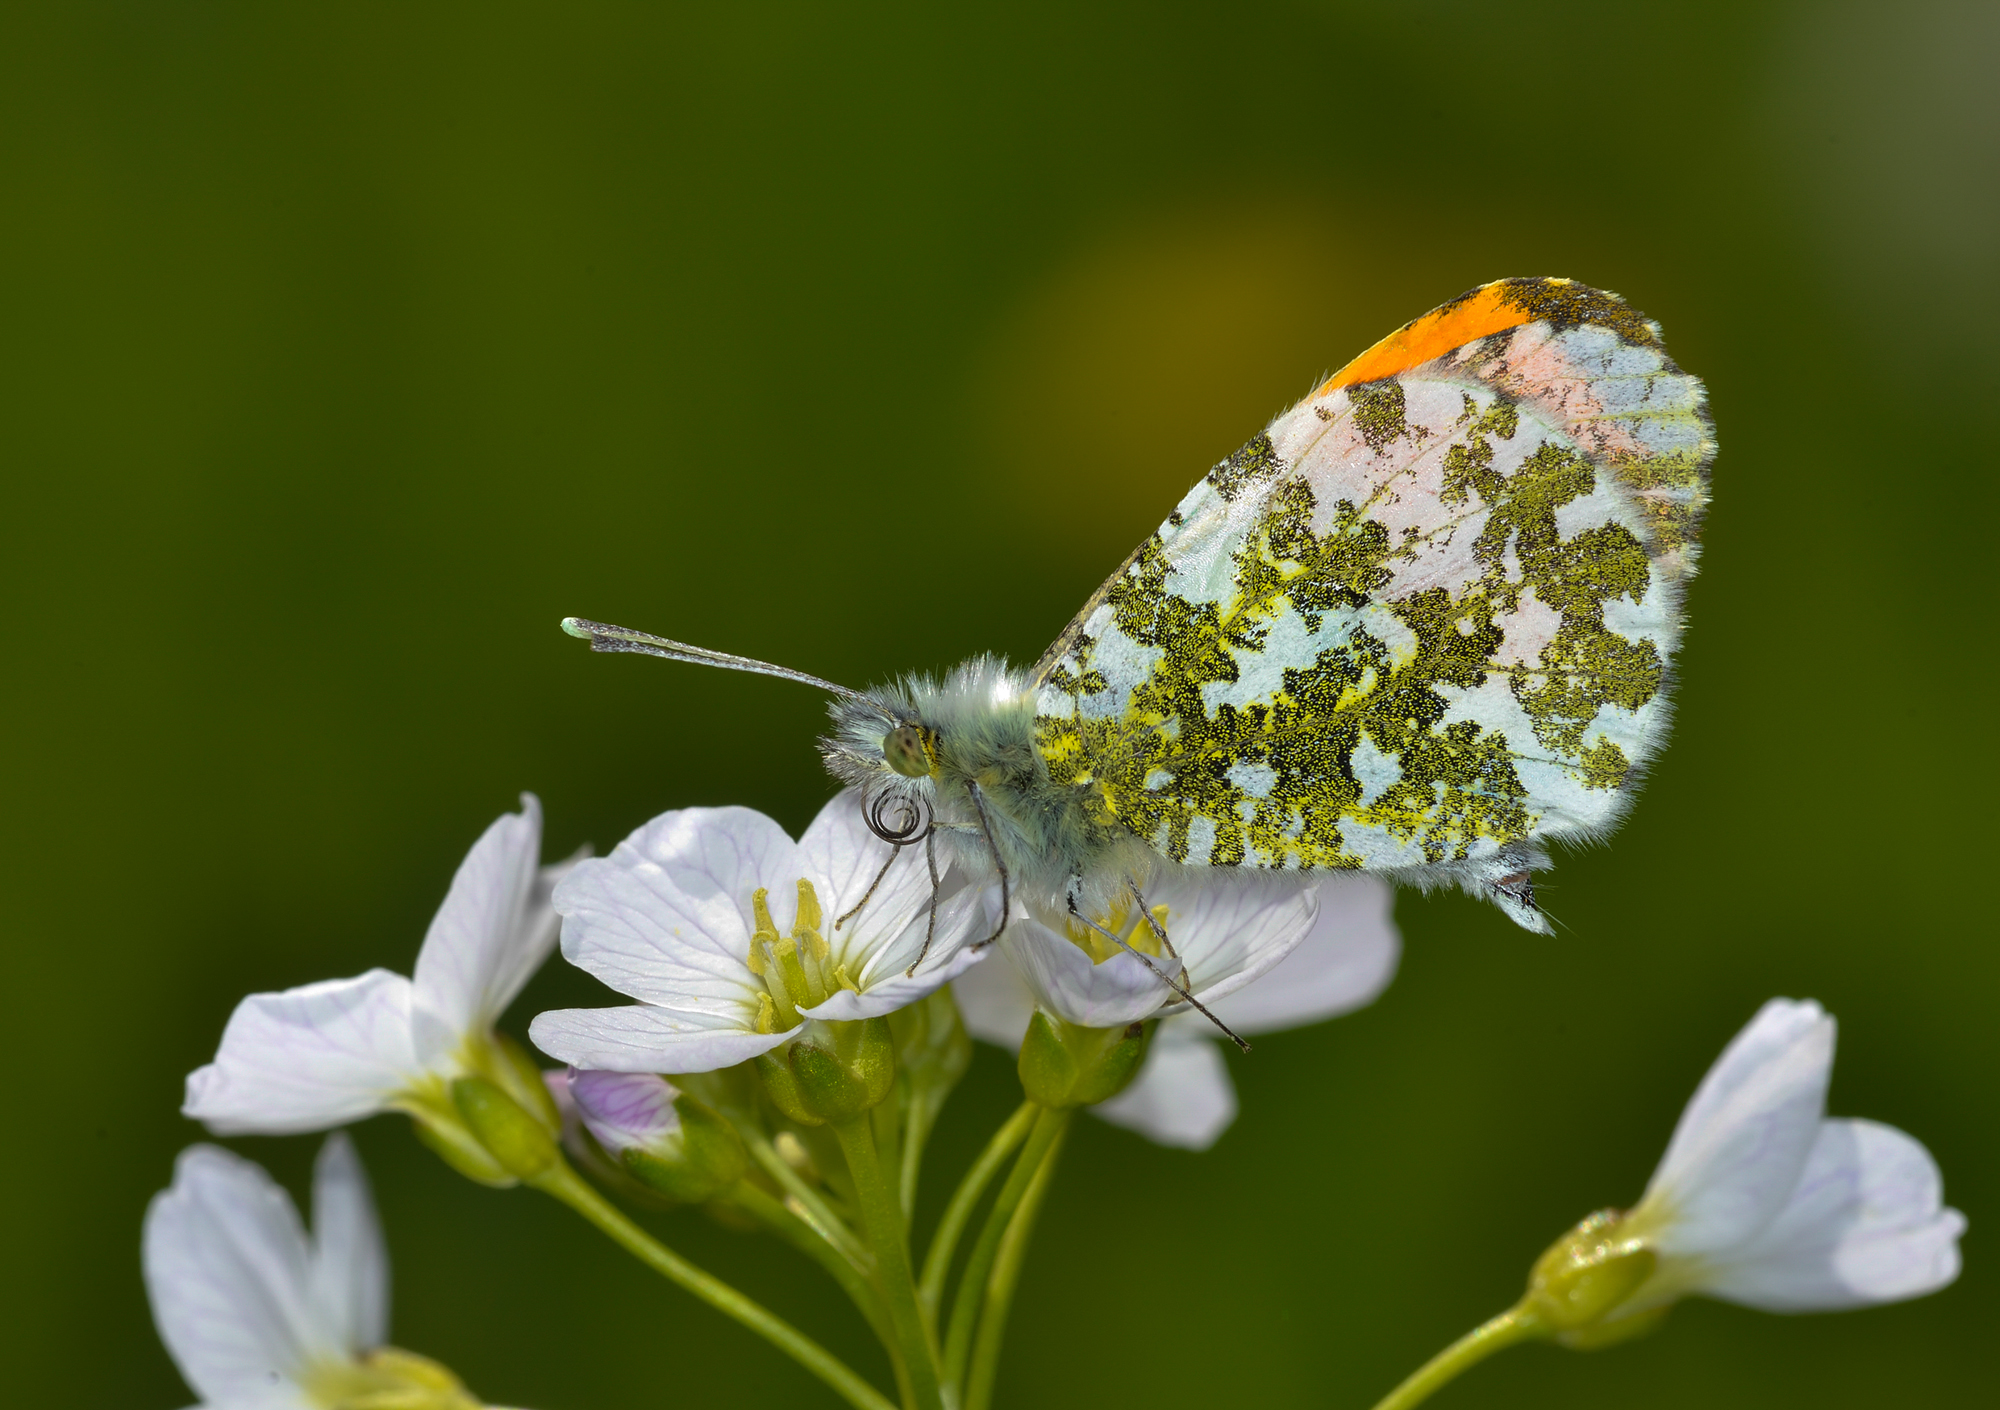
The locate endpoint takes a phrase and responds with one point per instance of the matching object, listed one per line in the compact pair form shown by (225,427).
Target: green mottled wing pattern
(1423,621)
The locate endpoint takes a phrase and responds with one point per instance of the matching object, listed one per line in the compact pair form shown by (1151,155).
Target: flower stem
(937,1260)
(917,1123)
(1469,1350)
(569,1187)
(795,1231)
(882,1217)
(1049,1124)
(1000,1283)
(831,1225)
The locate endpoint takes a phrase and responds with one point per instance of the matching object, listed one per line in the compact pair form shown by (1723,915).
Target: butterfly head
(911,750)
(879,741)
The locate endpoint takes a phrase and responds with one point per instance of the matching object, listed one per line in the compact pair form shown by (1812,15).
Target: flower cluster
(800,1011)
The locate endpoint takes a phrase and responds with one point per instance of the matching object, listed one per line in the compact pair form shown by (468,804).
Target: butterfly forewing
(1426,616)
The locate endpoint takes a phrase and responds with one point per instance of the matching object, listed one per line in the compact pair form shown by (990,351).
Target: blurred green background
(347,348)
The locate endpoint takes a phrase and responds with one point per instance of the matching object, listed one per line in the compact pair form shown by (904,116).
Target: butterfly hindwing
(1424,621)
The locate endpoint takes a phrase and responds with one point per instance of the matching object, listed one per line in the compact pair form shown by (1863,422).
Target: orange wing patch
(1486,310)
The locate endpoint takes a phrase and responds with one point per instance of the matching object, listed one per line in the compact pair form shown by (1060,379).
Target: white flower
(326,1054)
(730,935)
(1313,952)
(259,1317)
(1762,1200)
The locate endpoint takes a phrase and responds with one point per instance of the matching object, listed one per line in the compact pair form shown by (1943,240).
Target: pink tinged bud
(626,1110)
(665,1139)
(556,1079)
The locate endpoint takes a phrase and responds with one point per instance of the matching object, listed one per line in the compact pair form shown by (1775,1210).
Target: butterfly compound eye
(903,747)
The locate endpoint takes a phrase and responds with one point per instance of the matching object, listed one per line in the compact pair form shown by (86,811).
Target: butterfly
(1421,626)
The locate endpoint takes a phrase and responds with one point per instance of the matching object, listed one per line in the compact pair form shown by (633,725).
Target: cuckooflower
(1761,1200)
(1313,953)
(326,1054)
(733,937)
(258,1316)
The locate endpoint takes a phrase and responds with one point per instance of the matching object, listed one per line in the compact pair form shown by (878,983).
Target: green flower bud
(520,1076)
(518,1142)
(1584,1277)
(933,1049)
(388,1378)
(702,1158)
(832,1071)
(444,1132)
(1063,1065)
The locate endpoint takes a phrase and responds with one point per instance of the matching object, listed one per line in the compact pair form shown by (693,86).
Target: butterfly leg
(930,926)
(986,830)
(1177,983)
(1152,921)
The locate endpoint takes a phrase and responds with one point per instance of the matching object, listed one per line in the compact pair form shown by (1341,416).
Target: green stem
(1000,1284)
(957,1214)
(882,1217)
(979,1264)
(922,1115)
(807,1240)
(825,1220)
(569,1187)
(1469,1350)
(888,1128)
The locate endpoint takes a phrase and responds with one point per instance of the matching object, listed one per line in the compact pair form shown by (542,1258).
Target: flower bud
(832,1071)
(932,1047)
(1063,1065)
(1585,1277)
(385,1377)
(518,1142)
(520,1076)
(666,1139)
(439,1126)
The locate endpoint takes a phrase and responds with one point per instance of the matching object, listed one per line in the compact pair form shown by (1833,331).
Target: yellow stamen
(766,932)
(811,917)
(1088,940)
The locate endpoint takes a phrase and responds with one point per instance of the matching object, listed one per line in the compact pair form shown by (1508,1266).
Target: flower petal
(1063,980)
(666,917)
(874,956)
(885,996)
(995,1002)
(350,1262)
(624,1109)
(1345,961)
(1228,930)
(642,1038)
(227,1271)
(842,858)
(318,1056)
(1741,1144)
(488,937)
(1182,1096)
(1866,1224)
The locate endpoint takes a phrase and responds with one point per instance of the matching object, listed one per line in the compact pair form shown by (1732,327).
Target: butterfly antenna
(608,638)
